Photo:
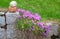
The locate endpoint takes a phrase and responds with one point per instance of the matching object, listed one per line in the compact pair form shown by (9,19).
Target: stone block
(2,33)
(11,31)
(1,13)
(2,19)
(11,17)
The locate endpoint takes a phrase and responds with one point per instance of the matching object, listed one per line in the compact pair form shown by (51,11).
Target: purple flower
(30,16)
(36,16)
(32,28)
(48,27)
(27,14)
(19,16)
(41,24)
(46,30)
(21,10)
(45,34)
(33,22)
(48,24)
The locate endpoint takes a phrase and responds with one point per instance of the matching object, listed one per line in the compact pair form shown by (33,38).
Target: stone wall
(7,24)
(53,33)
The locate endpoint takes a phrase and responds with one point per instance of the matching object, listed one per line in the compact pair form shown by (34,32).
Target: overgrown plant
(31,21)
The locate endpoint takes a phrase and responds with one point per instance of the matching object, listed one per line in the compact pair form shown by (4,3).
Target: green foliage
(37,30)
(24,23)
(46,8)
(59,30)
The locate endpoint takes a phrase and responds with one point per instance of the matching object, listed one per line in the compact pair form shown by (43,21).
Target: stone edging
(3,9)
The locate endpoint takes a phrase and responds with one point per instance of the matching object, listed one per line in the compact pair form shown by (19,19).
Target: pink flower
(41,24)
(19,16)
(36,16)
(32,28)
(47,27)
(21,10)
(27,14)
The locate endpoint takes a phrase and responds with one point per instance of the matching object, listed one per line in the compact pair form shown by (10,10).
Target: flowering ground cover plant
(31,21)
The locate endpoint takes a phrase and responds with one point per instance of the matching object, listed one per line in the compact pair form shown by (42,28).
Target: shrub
(31,21)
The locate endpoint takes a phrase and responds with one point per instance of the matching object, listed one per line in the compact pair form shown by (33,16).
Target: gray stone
(1,13)
(53,30)
(11,31)
(2,34)
(11,17)
(2,19)
(10,20)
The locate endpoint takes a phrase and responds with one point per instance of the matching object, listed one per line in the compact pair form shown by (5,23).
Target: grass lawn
(48,9)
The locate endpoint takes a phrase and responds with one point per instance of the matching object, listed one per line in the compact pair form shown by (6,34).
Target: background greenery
(48,9)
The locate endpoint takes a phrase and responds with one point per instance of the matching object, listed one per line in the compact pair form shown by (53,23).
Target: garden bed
(26,34)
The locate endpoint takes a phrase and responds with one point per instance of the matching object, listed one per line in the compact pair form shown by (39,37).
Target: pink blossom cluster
(34,17)
(29,14)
